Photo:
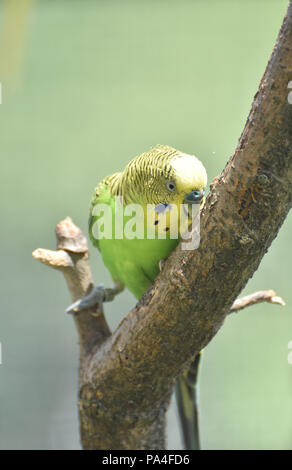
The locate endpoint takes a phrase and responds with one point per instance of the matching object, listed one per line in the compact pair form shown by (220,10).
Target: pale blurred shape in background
(15,22)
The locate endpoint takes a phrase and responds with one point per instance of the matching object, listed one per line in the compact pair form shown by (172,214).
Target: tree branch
(71,258)
(256,298)
(125,384)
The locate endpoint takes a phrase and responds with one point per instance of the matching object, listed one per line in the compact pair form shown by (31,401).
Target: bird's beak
(194,197)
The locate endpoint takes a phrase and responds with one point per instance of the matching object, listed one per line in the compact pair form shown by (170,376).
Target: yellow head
(164,176)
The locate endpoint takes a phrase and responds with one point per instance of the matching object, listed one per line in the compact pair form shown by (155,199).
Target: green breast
(135,262)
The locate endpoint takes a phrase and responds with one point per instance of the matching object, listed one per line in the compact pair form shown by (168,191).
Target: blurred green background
(87,85)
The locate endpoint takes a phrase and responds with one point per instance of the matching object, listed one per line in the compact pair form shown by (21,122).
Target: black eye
(197,194)
(170,185)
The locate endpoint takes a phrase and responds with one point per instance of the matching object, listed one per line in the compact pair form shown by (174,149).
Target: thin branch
(71,258)
(55,259)
(256,298)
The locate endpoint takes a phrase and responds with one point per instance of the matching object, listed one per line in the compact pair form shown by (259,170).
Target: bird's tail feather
(186,399)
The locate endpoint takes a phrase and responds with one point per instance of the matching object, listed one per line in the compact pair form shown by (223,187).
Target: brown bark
(126,379)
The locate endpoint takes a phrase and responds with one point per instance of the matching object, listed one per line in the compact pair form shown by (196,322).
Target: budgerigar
(160,179)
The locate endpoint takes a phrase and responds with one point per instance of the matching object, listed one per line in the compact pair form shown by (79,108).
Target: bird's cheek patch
(161,208)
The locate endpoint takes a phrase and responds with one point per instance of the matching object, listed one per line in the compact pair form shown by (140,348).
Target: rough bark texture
(126,379)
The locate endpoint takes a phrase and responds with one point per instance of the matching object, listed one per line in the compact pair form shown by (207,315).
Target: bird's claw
(97,296)
(162,263)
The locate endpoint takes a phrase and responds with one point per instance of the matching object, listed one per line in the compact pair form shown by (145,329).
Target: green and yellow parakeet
(161,179)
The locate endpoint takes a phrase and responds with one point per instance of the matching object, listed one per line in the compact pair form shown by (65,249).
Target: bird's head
(165,176)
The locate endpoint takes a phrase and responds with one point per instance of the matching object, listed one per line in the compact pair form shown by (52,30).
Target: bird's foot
(97,296)
(161,264)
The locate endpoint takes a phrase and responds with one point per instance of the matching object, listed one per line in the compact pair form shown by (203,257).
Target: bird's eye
(197,194)
(170,186)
